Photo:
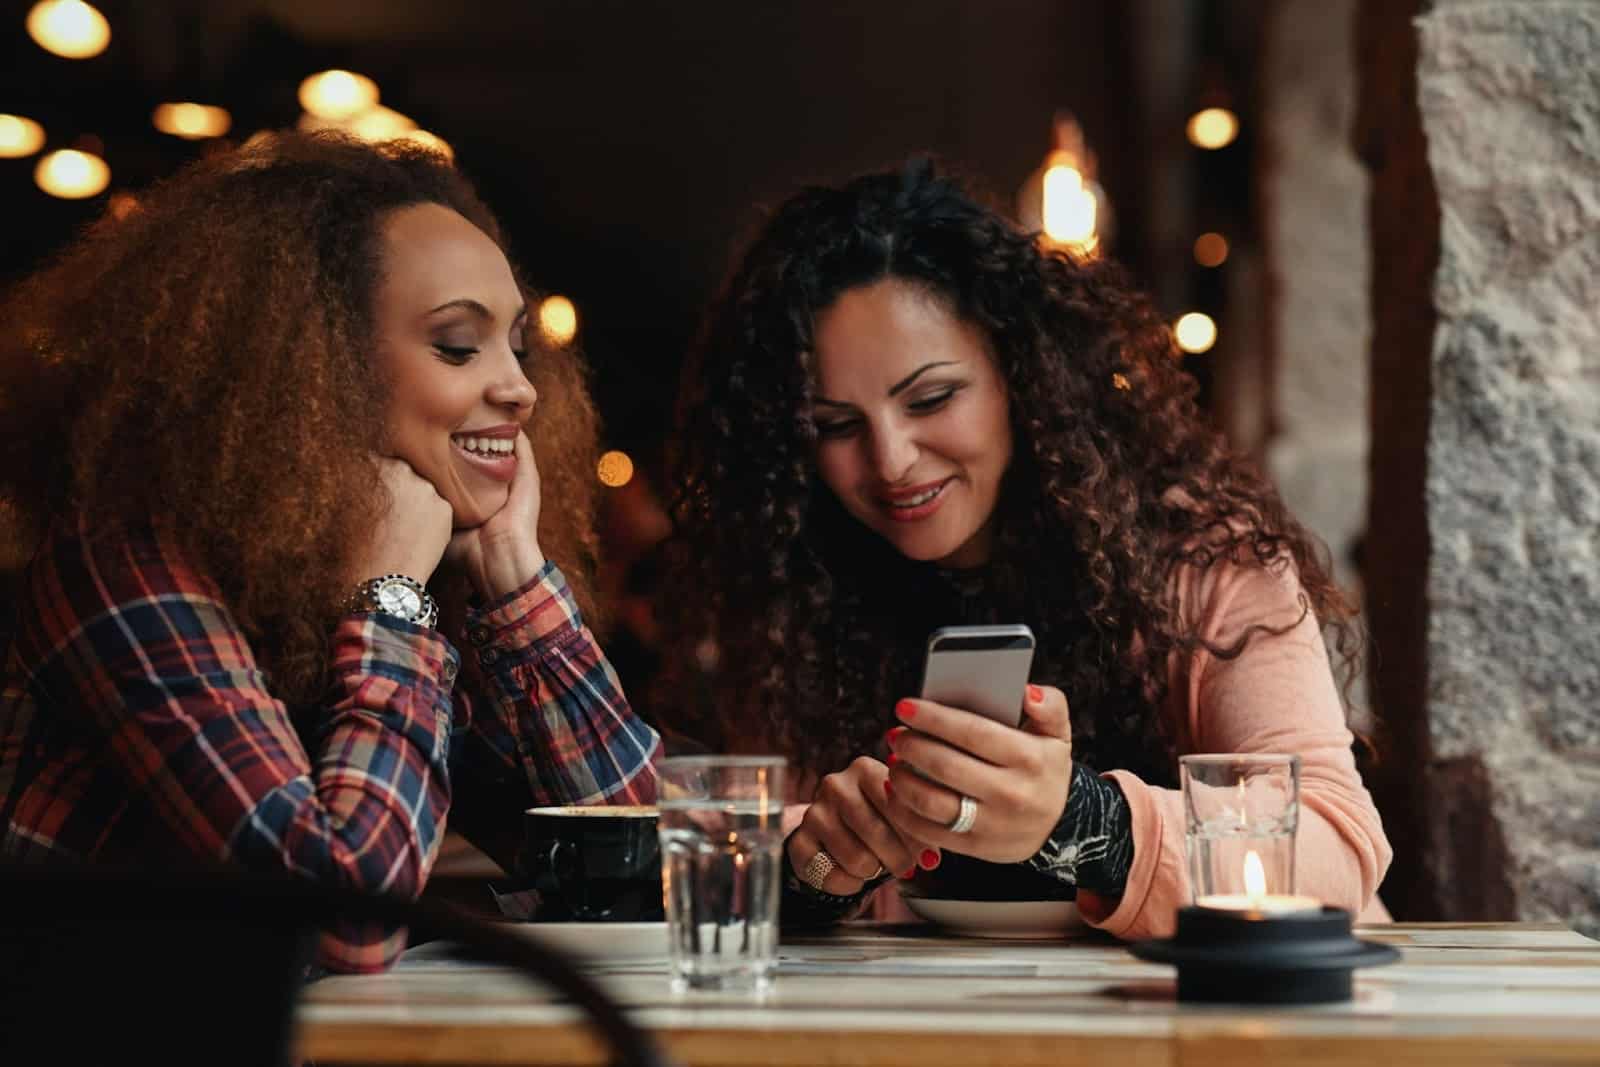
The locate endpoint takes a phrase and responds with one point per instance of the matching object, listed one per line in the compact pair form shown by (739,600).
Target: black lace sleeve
(1092,846)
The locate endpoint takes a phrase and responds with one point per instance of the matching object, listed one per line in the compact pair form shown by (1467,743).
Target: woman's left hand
(502,555)
(1019,777)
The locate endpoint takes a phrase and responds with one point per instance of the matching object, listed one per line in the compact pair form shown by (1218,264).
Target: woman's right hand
(415,528)
(846,819)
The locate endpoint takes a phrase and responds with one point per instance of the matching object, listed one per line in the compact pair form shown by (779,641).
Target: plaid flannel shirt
(136,728)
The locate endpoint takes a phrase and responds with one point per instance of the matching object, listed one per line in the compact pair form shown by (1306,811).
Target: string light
(69,28)
(192,122)
(1196,332)
(615,469)
(1069,209)
(1213,127)
(71,174)
(558,319)
(1210,249)
(19,137)
(338,94)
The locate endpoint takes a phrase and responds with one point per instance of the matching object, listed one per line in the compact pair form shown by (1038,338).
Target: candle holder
(1244,957)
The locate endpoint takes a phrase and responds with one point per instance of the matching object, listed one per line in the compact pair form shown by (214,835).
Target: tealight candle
(1255,902)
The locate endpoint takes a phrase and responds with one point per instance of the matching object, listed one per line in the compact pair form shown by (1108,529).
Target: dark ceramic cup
(593,864)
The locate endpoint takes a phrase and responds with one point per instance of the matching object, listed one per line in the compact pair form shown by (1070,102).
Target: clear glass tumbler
(1241,814)
(721,869)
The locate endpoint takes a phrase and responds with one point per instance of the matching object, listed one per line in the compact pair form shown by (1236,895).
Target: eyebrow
(898,387)
(478,309)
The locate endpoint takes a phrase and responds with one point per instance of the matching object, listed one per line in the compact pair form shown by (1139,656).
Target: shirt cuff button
(488,656)
(479,635)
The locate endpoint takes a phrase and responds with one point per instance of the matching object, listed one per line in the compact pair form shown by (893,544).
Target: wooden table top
(871,993)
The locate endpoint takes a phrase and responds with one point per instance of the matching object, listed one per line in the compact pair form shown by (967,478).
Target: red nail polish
(1035,694)
(911,873)
(888,786)
(929,859)
(893,759)
(893,735)
(905,709)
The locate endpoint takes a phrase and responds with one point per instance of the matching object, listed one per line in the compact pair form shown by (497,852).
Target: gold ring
(817,869)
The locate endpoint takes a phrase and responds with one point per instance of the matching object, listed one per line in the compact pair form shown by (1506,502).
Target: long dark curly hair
(204,363)
(1116,480)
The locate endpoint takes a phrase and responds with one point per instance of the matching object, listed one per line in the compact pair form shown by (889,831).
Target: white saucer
(999,918)
(597,942)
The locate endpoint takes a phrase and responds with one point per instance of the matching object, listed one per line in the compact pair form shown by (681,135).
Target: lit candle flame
(1255,878)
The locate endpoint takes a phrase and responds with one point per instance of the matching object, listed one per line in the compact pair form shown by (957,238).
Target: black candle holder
(1232,957)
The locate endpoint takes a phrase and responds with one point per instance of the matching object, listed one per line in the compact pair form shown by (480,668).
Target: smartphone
(982,669)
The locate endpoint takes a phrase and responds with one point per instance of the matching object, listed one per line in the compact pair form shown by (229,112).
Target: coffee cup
(593,863)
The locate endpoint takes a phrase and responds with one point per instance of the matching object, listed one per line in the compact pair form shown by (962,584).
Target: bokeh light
(1210,249)
(69,28)
(1196,332)
(192,122)
(71,174)
(615,469)
(1213,127)
(19,137)
(558,319)
(338,94)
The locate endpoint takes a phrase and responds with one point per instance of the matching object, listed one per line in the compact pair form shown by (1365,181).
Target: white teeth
(920,499)
(486,446)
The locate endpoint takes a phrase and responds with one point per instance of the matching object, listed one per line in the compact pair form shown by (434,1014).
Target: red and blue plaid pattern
(137,729)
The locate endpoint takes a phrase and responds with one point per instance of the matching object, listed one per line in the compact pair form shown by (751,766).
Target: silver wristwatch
(395,594)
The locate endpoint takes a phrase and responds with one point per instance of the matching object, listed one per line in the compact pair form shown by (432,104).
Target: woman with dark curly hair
(901,415)
(271,434)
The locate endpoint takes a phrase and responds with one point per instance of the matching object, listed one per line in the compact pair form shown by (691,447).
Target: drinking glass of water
(721,868)
(1241,813)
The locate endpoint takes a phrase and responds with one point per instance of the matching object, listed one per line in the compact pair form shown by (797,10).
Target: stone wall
(1510,99)
(1505,798)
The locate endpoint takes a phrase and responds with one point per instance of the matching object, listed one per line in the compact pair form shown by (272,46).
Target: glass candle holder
(1241,813)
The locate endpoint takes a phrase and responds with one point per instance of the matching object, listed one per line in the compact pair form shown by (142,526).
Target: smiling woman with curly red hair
(902,415)
(257,427)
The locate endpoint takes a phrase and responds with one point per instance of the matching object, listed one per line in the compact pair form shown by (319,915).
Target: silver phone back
(989,681)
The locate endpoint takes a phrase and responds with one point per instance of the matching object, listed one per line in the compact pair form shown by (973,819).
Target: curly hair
(204,364)
(1116,481)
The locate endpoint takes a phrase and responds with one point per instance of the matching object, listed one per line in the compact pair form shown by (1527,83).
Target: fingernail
(888,787)
(905,709)
(894,735)
(911,872)
(929,859)
(1035,694)
(893,759)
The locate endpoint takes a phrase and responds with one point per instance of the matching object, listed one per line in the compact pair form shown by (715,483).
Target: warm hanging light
(1210,249)
(69,28)
(1196,332)
(1213,127)
(192,122)
(615,469)
(19,137)
(71,174)
(381,124)
(338,94)
(558,319)
(1062,200)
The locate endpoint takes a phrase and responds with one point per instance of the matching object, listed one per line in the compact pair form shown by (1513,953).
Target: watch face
(399,599)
